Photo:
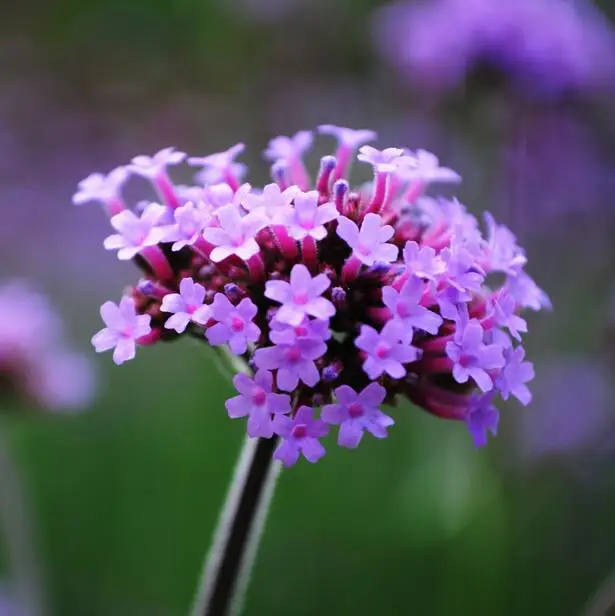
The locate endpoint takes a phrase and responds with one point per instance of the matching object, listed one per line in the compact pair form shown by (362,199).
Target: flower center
(403,310)
(299,431)
(306,223)
(259,396)
(191,308)
(355,410)
(301,330)
(465,361)
(293,355)
(364,250)
(237,324)
(301,298)
(382,350)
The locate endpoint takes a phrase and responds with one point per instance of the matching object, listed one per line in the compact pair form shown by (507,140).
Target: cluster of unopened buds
(339,300)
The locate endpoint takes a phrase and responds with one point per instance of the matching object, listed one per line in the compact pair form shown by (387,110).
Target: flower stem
(233,552)
(18,530)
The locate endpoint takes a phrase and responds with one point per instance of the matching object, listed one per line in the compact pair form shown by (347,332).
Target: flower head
(235,325)
(369,244)
(258,402)
(99,187)
(186,306)
(357,412)
(124,328)
(301,296)
(300,435)
(338,299)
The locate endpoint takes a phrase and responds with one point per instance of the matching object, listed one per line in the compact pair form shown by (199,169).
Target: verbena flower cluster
(36,368)
(339,300)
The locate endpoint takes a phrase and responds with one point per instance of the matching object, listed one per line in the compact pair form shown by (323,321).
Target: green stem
(231,558)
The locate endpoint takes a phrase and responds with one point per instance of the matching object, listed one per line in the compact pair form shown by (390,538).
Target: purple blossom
(271,201)
(387,351)
(301,296)
(406,309)
(99,187)
(462,269)
(307,218)
(186,306)
(308,329)
(222,194)
(135,233)
(151,166)
(124,328)
(450,300)
(382,160)
(289,148)
(234,326)
(369,244)
(190,220)
(356,412)
(503,308)
(522,288)
(471,357)
(348,137)
(546,47)
(482,418)
(294,362)
(503,253)
(423,166)
(515,374)
(299,436)
(213,175)
(236,233)
(257,402)
(220,161)
(422,261)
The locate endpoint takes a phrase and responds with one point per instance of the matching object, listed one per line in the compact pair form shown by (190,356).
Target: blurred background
(516,95)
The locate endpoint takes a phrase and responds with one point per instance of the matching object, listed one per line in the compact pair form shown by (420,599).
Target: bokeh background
(124,496)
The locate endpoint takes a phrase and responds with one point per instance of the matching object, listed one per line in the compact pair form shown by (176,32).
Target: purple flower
(213,175)
(220,161)
(294,362)
(299,436)
(236,233)
(190,220)
(301,296)
(308,329)
(124,328)
(462,269)
(135,233)
(289,148)
(307,218)
(99,187)
(526,292)
(356,412)
(406,309)
(186,306)
(387,351)
(257,402)
(482,418)
(271,202)
(348,137)
(151,166)
(234,326)
(369,245)
(382,160)
(515,374)
(503,253)
(422,261)
(423,166)
(471,357)
(503,307)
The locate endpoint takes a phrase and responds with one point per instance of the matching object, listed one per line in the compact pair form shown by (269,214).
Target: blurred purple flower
(34,363)
(482,418)
(545,46)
